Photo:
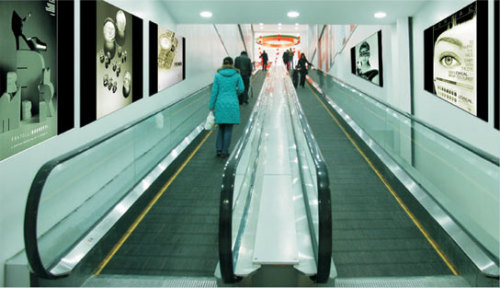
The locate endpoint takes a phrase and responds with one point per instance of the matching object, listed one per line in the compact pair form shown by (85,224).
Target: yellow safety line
(146,210)
(382,178)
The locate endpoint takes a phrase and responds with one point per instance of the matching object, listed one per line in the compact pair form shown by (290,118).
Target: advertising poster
(366,59)
(324,62)
(167,54)
(332,44)
(452,60)
(36,94)
(111,59)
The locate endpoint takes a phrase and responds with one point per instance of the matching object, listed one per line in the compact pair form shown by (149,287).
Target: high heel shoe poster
(32,91)
(111,59)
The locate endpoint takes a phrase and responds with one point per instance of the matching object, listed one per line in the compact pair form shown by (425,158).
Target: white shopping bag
(209,124)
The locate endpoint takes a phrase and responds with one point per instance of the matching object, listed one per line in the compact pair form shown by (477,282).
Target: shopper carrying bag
(224,102)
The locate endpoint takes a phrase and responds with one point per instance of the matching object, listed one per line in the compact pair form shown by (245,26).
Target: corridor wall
(457,122)
(248,35)
(477,209)
(342,66)
(230,31)
(403,62)
(396,62)
(204,54)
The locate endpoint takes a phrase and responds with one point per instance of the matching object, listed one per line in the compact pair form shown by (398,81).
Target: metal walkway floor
(372,234)
(375,243)
(179,234)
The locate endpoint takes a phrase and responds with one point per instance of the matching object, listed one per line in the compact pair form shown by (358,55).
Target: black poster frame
(88,82)
(49,29)
(497,64)
(88,67)
(481,58)
(380,59)
(153,56)
(153,59)
(65,69)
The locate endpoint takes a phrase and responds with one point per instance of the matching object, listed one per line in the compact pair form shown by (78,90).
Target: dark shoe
(224,155)
(219,153)
(36,44)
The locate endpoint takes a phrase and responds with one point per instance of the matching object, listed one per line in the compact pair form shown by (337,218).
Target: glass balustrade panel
(80,191)
(464,183)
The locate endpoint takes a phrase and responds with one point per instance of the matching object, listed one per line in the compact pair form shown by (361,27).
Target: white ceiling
(283,29)
(275,11)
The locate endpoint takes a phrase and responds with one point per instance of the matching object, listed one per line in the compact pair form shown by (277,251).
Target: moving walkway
(401,208)
(275,217)
(84,206)
(175,233)
(247,178)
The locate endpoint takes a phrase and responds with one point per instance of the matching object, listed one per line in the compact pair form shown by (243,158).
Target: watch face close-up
(109,30)
(121,25)
(167,51)
(121,21)
(165,43)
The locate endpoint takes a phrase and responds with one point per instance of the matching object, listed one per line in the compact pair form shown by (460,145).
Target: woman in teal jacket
(224,100)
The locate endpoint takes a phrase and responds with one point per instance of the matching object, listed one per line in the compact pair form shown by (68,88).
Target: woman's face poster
(366,58)
(454,64)
(454,61)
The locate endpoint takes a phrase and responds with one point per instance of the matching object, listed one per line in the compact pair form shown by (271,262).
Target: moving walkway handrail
(483,154)
(226,201)
(322,249)
(34,196)
(323,246)
(485,261)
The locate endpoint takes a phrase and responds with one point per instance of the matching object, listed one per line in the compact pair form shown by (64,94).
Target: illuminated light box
(456,59)
(167,58)
(366,59)
(36,72)
(111,63)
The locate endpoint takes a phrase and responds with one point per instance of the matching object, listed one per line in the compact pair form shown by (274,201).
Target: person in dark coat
(224,100)
(244,64)
(295,76)
(290,59)
(264,60)
(285,59)
(303,68)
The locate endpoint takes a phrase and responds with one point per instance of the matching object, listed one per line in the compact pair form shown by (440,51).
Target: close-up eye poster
(455,58)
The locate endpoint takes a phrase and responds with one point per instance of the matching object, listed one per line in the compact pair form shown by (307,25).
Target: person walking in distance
(285,59)
(224,100)
(264,60)
(303,68)
(244,64)
(290,59)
